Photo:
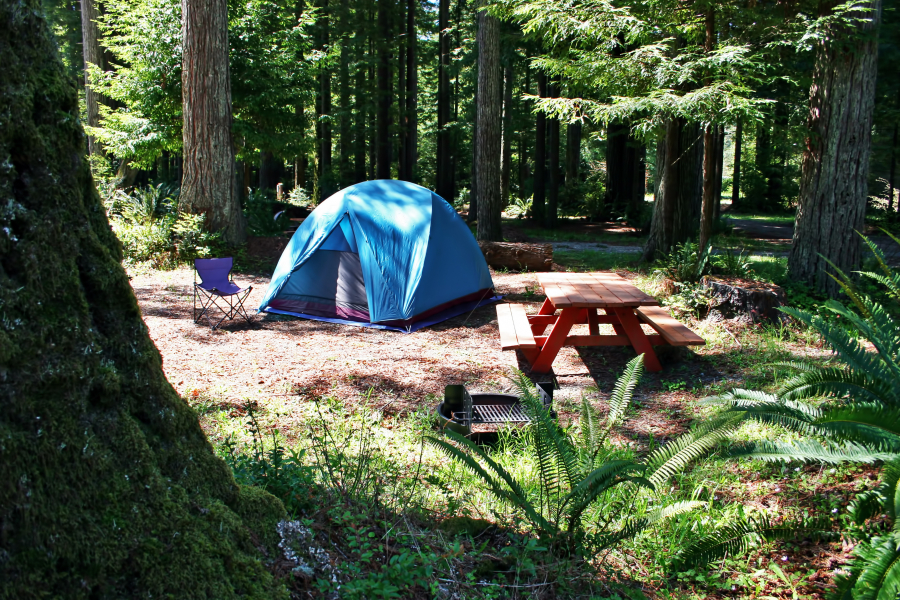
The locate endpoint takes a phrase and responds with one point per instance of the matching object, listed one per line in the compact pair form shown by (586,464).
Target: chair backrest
(214,272)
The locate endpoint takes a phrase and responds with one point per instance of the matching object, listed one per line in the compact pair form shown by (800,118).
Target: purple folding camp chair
(216,285)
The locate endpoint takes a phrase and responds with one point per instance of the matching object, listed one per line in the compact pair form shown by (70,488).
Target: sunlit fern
(575,471)
(848,412)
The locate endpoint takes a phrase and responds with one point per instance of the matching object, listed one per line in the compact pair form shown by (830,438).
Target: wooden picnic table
(578,297)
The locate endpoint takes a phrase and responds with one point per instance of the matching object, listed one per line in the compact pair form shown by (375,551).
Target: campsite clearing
(278,362)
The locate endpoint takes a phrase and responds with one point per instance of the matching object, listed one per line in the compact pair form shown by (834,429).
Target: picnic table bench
(578,297)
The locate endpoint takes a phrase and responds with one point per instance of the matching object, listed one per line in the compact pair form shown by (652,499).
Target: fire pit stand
(461,409)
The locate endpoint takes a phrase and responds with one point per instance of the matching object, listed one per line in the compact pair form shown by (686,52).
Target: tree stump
(758,300)
(519,257)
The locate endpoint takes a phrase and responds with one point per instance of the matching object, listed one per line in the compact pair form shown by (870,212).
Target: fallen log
(518,257)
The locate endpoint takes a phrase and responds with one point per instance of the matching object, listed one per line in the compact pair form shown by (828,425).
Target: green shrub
(151,229)
(685,264)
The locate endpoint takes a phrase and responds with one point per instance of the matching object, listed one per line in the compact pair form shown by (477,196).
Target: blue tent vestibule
(387,254)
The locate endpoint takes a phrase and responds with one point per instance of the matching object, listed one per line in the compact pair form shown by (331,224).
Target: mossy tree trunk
(209,185)
(835,168)
(108,487)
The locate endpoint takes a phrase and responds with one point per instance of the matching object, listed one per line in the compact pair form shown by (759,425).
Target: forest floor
(276,364)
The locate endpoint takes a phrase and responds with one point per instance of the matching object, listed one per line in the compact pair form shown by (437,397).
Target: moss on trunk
(108,487)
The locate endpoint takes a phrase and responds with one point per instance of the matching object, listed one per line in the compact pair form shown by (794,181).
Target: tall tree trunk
(93,55)
(709,149)
(523,145)
(208,186)
(105,468)
(836,161)
(359,105)
(506,156)
(487,147)
(676,211)
(891,181)
(402,134)
(621,160)
(326,183)
(720,166)
(345,143)
(444,167)
(538,205)
(385,94)
(553,163)
(412,92)
(473,178)
(736,178)
(573,159)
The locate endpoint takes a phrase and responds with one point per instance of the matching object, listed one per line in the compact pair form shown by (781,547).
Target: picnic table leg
(556,340)
(639,341)
(547,308)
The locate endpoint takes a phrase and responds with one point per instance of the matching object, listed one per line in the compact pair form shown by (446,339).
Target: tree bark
(208,186)
(720,166)
(444,167)
(506,157)
(553,163)
(707,213)
(833,186)
(108,486)
(93,55)
(736,178)
(676,212)
(385,94)
(326,183)
(345,143)
(573,159)
(538,204)
(360,130)
(487,147)
(412,93)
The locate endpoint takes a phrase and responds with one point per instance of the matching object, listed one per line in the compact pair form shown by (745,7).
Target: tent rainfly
(387,254)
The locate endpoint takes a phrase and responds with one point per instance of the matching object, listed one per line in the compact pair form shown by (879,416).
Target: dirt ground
(280,357)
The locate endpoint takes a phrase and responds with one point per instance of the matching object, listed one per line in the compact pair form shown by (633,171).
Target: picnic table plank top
(592,290)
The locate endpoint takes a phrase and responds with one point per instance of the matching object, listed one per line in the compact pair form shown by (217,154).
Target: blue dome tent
(387,254)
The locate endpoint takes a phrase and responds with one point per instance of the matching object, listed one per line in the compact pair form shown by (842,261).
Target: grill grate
(499,413)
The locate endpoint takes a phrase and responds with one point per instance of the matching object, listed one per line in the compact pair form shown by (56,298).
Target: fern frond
(878,565)
(839,382)
(512,492)
(809,451)
(599,481)
(737,538)
(664,462)
(633,527)
(622,393)
(868,423)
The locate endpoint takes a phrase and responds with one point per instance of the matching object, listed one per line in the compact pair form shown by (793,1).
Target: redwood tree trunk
(385,94)
(505,167)
(676,211)
(412,93)
(108,487)
(710,153)
(836,161)
(553,164)
(444,167)
(93,55)
(736,178)
(538,204)
(208,186)
(488,142)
